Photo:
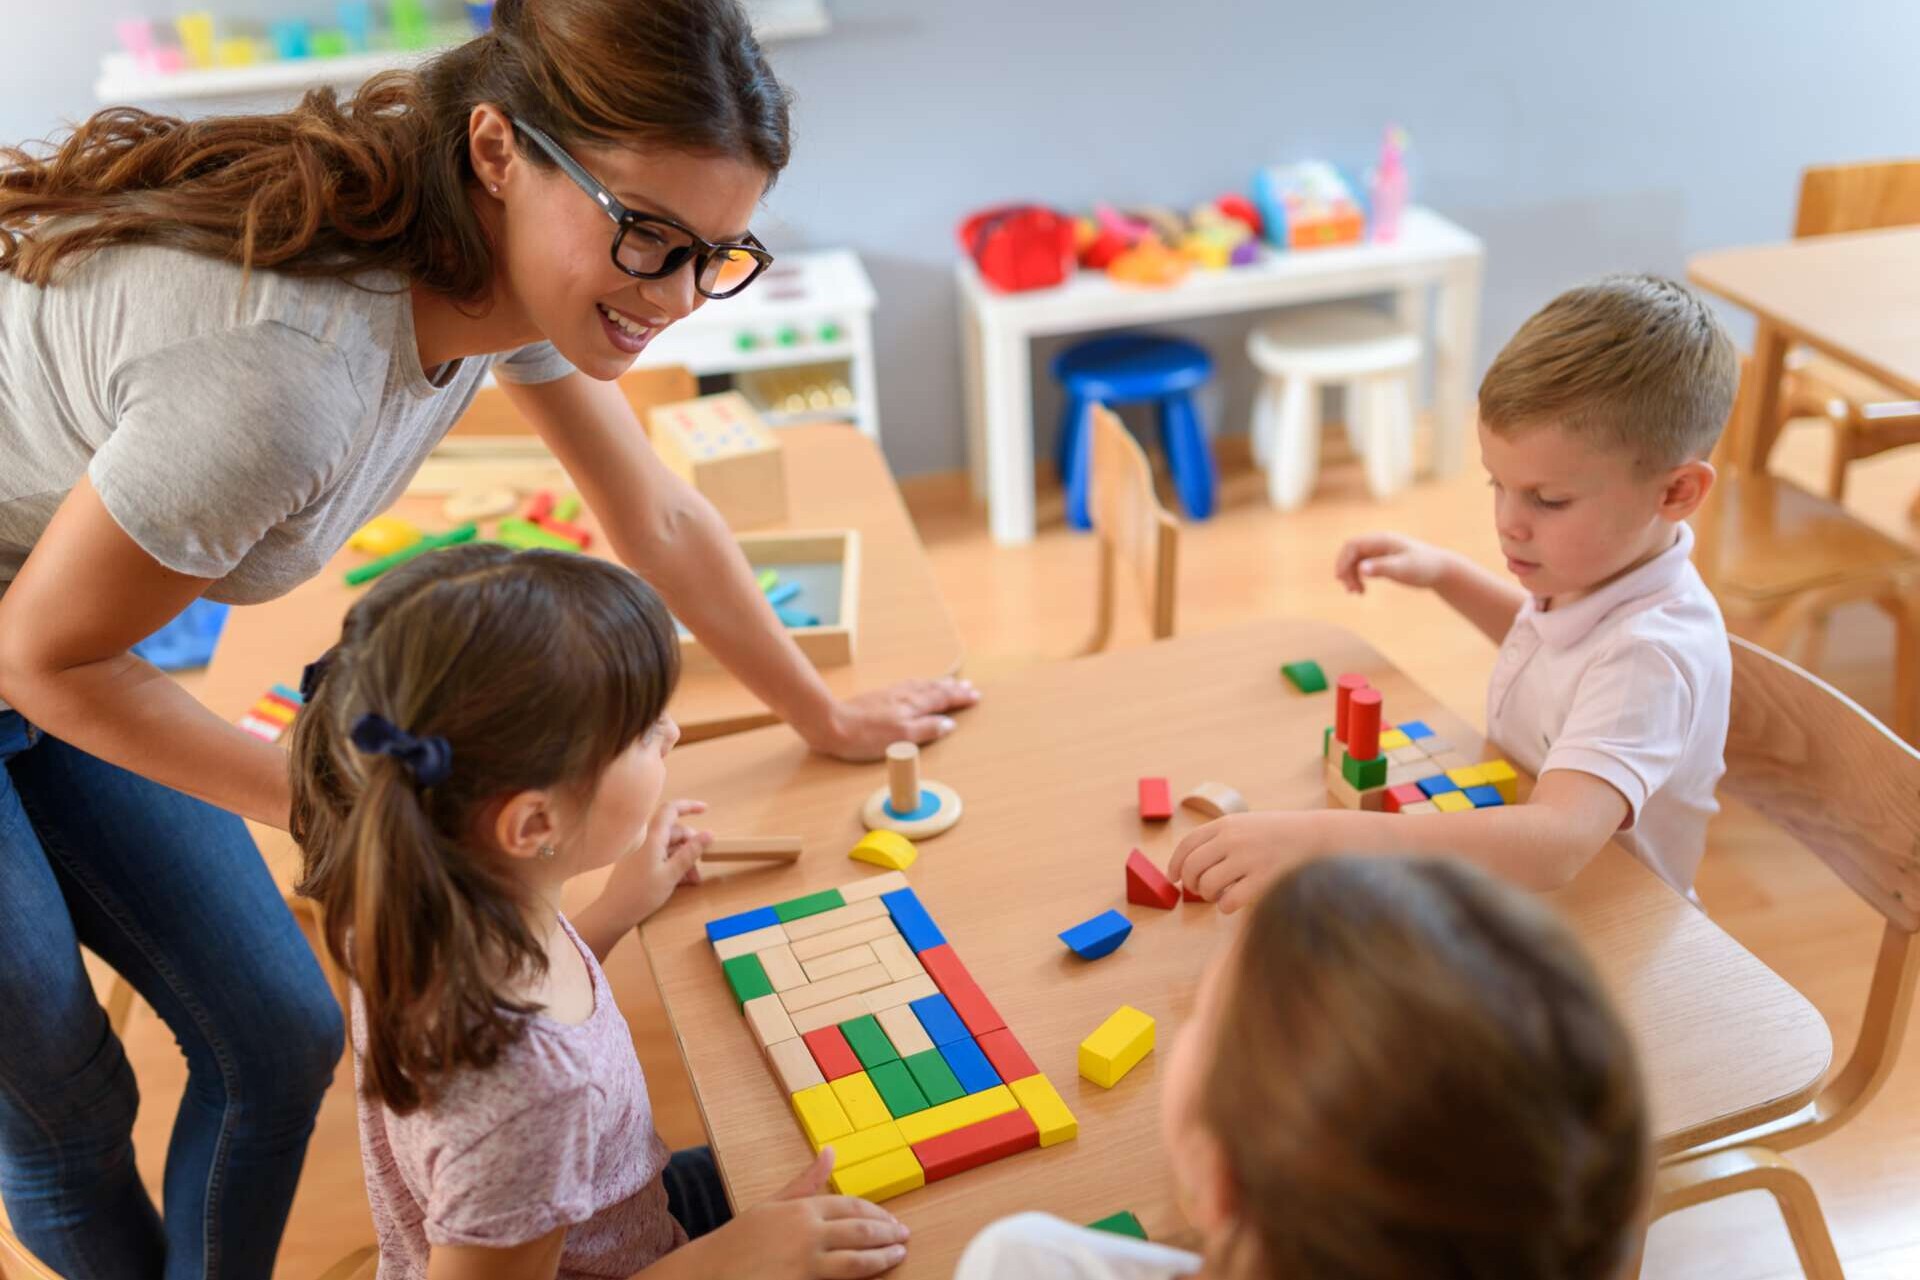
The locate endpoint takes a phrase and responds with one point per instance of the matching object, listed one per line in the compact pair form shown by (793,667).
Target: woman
(223,346)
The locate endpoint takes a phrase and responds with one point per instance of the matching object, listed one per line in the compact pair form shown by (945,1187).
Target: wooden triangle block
(1147,886)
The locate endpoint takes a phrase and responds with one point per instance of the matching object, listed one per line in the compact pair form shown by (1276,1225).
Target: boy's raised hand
(803,1234)
(1393,556)
(1230,860)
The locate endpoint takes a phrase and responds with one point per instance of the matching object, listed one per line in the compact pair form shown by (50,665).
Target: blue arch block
(1098,936)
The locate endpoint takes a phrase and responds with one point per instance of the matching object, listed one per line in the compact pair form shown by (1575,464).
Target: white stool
(1369,352)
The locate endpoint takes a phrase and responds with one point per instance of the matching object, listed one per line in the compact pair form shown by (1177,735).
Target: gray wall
(1573,139)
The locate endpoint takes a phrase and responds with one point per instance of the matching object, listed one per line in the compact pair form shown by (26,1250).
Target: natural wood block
(719,445)
(873,886)
(838,918)
(794,1065)
(899,993)
(825,944)
(893,952)
(769,1020)
(741,944)
(835,963)
(839,987)
(831,1014)
(783,971)
(904,1030)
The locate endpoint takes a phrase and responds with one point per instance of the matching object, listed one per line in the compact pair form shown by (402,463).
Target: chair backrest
(1131,526)
(1835,198)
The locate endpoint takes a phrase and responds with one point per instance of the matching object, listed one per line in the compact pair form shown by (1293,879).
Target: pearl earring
(494,187)
(546,853)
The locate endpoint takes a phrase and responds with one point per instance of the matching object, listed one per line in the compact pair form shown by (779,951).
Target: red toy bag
(1019,246)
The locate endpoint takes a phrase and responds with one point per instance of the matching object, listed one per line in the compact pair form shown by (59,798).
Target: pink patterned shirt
(558,1132)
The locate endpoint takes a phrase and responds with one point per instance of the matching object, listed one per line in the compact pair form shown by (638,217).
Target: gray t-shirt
(238,437)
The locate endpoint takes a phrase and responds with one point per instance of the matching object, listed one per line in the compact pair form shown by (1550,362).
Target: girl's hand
(1388,555)
(802,1234)
(642,882)
(1230,860)
(863,727)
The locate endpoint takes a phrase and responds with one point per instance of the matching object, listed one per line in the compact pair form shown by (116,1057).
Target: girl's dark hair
(538,669)
(332,189)
(1423,1078)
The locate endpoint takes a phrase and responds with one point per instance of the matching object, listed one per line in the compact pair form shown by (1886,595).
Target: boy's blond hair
(1634,363)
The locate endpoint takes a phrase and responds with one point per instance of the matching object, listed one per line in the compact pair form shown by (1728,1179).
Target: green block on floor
(746,977)
(869,1042)
(1364,775)
(811,905)
(1122,1223)
(1307,677)
(897,1089)
(935,1077)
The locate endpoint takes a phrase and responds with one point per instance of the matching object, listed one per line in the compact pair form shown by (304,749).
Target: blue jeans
(174,895)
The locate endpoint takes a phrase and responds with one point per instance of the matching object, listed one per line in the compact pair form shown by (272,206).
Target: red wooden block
(1006,1055)
(540,506)
(1188,895)
(961,991)
(571,532)
(1343,690)
(1403,795)
(831,1050)
(1156,800)
(1147,885)
(977,1144)
(1363,724)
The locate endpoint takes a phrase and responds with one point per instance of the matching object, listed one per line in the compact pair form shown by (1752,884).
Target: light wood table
(1047,766)
(1854,298)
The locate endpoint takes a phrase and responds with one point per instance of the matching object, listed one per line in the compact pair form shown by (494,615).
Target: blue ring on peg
(929,805)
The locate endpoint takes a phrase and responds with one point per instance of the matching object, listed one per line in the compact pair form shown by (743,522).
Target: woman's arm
(86,594)
(668,533)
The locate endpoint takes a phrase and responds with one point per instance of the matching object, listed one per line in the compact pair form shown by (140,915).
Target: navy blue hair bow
(313,674)
(429,760)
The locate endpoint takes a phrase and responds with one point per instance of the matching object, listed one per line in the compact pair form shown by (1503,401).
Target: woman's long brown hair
(538,669)
(1422,1077)
(382,180)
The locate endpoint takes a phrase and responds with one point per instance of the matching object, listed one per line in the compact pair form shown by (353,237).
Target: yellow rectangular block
(1499,775)
(861,1101)
(1467,777)
(864,1144)
(1115,1046)
(1049,1113)
(821,1115)
(825,944)
(1393,740)
(1453,802)
(273,711)
(957,1114)
(882,1177)
(903,1027)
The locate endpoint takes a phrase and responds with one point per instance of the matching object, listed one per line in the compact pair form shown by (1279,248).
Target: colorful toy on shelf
(1405,768)
(1149,264)
(719,445)
(384,535)
(1388,186)
(1308,205)
(196,37)
(1019,247)
(887,1047)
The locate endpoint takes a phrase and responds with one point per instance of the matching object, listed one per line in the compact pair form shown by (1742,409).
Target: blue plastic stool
(1125,368)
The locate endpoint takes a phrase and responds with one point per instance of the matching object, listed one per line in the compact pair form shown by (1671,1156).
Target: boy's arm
(1540,845)
(1488,602)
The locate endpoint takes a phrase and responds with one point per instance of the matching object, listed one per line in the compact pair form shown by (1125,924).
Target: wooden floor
(1017,606)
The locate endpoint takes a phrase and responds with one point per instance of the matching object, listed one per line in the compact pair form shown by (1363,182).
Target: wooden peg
(752,849)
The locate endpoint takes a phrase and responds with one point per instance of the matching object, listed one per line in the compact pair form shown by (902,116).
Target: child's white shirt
(1630,685)
(1039,1246)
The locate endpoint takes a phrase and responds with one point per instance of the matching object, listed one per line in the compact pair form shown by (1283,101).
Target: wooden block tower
(1404,768)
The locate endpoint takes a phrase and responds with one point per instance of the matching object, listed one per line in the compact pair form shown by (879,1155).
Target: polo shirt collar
(1571,623)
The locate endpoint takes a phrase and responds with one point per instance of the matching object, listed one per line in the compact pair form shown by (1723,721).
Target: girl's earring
(546,852)
(494,187)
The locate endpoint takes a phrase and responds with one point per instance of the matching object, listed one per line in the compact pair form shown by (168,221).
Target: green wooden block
(1122,1223)
(1326,742)
(811,905)
(768,579)
(1307,677)
(868,1042)
(1364,775)
(748,980)
(897,1089)
(935,1077)
(567,508)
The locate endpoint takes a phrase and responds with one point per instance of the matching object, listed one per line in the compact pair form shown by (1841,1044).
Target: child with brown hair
(1399,1069)
(490,726)
(1614,675)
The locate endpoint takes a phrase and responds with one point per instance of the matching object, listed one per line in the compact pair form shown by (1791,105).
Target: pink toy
(1390,186)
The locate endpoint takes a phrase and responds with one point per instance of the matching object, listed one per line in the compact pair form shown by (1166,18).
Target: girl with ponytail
(225,344)
(490,726)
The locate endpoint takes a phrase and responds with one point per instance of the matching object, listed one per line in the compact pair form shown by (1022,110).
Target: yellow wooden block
(864,1144)
(861,1101)
(957,1114)
(384,535)
(1393,740)
(1499,775)
(881,1177)
(1116,1045)
(272,711)
(821,1115)
(1453,802)
(1049,1113)
(1467,777)
(887,849)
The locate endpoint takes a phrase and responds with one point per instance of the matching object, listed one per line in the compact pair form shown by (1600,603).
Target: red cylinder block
(1363,724)
(1343,691)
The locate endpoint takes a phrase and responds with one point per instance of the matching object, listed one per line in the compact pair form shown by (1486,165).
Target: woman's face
(558,267)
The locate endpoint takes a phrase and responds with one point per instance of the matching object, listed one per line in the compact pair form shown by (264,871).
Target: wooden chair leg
(1839,460)
(1905,612)
(1686,1183)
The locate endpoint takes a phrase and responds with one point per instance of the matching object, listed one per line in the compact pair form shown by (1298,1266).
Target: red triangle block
(1188,895)
(1147,886)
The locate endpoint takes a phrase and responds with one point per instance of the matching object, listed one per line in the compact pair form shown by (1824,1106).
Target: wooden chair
(1866,417)
(1809,760)
(1129,524)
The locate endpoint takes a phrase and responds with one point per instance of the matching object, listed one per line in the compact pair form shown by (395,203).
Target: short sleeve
(221,437)
(1630,721)
(1039,1246)
(537,363)
(520,1180)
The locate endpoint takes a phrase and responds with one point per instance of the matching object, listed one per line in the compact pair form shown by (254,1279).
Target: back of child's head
(460,679)
(1635,364)
(1418,1075)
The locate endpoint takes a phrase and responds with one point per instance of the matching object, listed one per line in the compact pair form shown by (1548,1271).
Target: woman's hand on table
(917,711)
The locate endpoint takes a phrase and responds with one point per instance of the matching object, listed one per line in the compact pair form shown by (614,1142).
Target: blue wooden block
(1435,785)
(745,922)
(1484,797)
(792,617)
(912,920)
(942,1023)
(969,1065)
(1415,729)
(1099,935)
(782,593)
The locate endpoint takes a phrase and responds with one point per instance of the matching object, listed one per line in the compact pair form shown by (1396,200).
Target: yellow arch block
(887,849)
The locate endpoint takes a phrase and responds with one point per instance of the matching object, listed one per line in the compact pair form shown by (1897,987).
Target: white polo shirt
(1629,684)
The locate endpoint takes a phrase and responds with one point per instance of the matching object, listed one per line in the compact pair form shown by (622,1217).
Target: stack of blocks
(273,713)
(1406,768)
(890,1051)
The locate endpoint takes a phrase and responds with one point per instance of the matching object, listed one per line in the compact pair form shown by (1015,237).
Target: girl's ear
(525,824)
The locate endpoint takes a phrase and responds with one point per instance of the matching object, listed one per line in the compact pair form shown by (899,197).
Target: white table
(997,328)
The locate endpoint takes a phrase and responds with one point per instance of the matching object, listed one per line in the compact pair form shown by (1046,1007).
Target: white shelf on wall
(123,81)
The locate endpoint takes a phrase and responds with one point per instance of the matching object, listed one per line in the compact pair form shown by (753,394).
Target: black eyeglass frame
(700,252)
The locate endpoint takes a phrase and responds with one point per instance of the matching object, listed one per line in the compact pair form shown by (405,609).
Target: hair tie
(429,760)
(313,673)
